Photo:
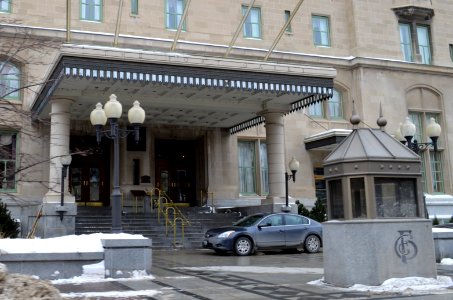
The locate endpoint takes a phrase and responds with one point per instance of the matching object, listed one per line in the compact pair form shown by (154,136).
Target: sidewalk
(203,275)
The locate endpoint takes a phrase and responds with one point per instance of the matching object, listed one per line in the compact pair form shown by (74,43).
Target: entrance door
(88,172)
(175,170)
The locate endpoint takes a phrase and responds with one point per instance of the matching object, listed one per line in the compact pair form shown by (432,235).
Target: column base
(55,220)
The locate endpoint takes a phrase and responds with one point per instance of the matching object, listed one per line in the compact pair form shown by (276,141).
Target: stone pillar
(51,223)
(275,141)
(59,145)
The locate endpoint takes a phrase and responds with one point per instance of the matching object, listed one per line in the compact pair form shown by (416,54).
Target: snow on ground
(63,244)
(404,286)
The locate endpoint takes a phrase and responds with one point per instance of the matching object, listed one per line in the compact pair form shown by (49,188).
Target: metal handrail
(163,202)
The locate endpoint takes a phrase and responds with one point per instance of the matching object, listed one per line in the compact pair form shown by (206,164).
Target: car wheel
(312,244)
(243,246)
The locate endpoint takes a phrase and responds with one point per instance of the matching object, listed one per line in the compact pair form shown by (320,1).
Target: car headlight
(226,234)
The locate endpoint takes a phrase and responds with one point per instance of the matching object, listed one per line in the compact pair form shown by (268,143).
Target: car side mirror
(264,225)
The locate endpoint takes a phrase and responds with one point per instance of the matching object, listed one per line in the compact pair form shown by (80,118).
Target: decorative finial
(355,118)
(381,121)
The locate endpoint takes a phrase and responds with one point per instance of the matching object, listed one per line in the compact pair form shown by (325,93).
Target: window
(421,43)
(253,169)
(275,220)
(287,15)
(321,31)
(91,10)
(7,161)
(134,7)
(5,5)
(406,41)
(296,220)
(320,184)
(173,14)
(451,52)
(395,197)
(330,109)
(432,163)
(358,198)
(252,25)
(9,81)
(264,169)
(336,199)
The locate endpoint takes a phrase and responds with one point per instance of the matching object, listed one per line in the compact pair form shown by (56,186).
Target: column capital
(61,105)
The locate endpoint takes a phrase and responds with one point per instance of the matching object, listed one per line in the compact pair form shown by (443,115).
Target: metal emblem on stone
(405,248)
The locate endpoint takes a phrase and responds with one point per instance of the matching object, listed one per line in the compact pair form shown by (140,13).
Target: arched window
(424,104)
(9,81)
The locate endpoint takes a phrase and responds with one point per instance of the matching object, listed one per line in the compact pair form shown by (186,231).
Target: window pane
(416,118)
(436,172)
(246,156)
(9,81)
(252,25)
(7,161)
(287,15)
(296,220)
(335,105)
(336,199)
(321,31)
(5,5)
(358,198)
(91,10)
(406,41)
(424,44)
(134,7)
(264,169)
(173,13)
(316,110)
(451,52)
(396,197)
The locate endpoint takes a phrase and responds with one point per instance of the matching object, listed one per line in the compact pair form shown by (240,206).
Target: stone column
(275,141)
(58,220)
(59,145)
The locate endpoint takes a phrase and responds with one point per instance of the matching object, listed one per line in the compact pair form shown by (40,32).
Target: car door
(269,233)
(296,229)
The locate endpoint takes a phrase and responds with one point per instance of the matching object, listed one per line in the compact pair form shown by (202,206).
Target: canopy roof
(184,94)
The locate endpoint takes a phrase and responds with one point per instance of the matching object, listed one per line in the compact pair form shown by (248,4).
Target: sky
(95,272)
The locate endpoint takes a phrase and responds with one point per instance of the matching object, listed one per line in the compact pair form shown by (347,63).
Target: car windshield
(248,221)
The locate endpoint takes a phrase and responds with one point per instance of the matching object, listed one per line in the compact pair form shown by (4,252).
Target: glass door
(89,172)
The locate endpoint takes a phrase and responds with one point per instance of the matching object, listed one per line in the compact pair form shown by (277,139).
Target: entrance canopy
(222,93)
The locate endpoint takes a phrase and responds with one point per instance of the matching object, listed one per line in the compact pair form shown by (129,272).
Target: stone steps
(99,221)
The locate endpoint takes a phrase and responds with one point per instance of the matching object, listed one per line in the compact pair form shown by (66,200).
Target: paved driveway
(203,275)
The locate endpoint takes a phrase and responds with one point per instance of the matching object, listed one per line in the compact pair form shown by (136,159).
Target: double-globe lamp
(407,130)
(112,112)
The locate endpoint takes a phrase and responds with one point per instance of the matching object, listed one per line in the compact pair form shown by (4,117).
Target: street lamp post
(65,162)
(112,112)
(407,131)
(293,166)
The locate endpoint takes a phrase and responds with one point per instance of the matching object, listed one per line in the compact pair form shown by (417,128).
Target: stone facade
(364,50)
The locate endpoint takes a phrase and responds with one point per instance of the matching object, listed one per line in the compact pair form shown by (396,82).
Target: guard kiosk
(377,227)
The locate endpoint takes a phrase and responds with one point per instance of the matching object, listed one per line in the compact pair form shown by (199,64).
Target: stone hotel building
(232,90)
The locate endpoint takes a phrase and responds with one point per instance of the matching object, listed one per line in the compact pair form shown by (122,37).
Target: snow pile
(62,244)
(405,286)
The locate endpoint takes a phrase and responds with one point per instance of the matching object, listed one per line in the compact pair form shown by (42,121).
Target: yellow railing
(165,206)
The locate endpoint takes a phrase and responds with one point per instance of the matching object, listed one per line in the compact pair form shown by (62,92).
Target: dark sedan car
(264,231)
